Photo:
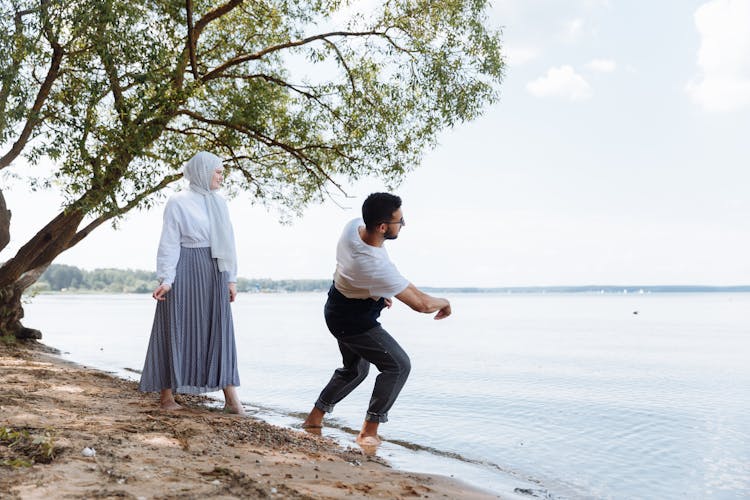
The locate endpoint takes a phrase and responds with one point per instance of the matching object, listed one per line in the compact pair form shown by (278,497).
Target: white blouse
(185,225)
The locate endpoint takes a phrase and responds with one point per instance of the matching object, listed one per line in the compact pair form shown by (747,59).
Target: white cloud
(562,82)
(516,56)
(574,29)
(723,82)
(602,65)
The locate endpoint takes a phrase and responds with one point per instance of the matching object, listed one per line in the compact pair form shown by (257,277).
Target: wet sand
(50,410)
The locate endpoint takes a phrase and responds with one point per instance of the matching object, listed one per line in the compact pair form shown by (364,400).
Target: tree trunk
(31,260)
(4,222)
(11,312)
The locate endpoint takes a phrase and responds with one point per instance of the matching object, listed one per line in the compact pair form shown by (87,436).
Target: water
(571,396)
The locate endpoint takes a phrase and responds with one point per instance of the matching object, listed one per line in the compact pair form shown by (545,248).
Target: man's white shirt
(364,271)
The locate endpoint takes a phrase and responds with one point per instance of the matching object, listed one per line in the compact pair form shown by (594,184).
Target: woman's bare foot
(234,409)
(169,405)
(167,402)
(232,403)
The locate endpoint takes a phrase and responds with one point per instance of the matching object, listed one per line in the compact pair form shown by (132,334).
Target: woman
(192,348)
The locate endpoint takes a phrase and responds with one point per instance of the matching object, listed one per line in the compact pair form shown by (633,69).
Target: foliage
(7,340)
(59,277)
(297,98)
(20,448)
(268,285)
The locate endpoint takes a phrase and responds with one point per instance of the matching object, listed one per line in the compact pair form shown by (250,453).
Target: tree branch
(191,38)
(120,210)
(342,59)
(30,277)
(12,71)
(282,83)
(33,115)
(269,141)
(43,246)
(215,14)
(196,32)
(114,84)
(275,48)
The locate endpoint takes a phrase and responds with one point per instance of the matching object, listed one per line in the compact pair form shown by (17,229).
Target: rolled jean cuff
(324,407)
(376,417)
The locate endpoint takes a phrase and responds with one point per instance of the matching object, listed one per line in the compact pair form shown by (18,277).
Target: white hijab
(199,171)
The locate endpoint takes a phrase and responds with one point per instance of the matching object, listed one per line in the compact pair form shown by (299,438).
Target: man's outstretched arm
(424,303)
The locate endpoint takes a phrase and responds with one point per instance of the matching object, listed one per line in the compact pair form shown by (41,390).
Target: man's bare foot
(368,440)
(314,421)
(368,436)
(368,450)
(317,431)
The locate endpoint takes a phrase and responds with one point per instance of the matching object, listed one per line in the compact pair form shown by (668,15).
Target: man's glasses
(400,221)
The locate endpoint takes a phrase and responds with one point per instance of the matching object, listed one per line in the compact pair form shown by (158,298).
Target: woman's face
(217,178)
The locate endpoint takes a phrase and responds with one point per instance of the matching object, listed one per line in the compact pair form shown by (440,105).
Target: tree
(298,100)
(61,276)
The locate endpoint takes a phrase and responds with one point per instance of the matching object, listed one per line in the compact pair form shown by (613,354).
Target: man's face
(394,225)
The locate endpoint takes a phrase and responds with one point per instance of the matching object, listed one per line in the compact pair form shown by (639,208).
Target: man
(364,283)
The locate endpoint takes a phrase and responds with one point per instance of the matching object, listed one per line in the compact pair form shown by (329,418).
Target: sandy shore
(50,410)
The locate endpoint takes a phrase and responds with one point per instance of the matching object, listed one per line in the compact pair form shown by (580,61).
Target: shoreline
(51,409)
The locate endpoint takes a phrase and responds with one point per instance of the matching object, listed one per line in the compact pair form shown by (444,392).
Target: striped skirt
(192,348)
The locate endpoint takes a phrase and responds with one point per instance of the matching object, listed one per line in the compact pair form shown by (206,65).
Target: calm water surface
(571,396)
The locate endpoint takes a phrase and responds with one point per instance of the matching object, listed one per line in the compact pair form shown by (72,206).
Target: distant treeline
(63,278)
(601,289)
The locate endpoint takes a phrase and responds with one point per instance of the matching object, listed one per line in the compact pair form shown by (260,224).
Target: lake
(566,395)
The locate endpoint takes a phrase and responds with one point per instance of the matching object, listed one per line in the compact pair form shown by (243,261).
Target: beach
(54,413)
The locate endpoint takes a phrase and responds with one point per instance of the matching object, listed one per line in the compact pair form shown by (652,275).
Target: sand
(50,410)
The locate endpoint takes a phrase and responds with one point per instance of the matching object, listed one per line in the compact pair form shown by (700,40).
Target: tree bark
(22,271)
(11,313)
(11,310)
(4,222)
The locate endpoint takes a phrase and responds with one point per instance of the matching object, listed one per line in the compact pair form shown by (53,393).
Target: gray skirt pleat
(192,348)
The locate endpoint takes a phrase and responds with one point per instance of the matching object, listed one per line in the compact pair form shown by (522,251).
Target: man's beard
(389,235)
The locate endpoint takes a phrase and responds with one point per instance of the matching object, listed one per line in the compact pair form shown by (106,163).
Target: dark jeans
(374,346)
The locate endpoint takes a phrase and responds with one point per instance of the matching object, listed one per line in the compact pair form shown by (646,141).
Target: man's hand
(232,291)
(388,302)
(444,312)
(424,303)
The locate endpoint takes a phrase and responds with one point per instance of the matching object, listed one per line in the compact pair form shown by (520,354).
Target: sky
(619,153)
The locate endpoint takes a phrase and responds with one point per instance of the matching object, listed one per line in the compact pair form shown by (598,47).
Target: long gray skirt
(192,348)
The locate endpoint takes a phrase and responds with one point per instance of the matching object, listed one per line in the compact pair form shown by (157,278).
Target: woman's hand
(232,291)
(161,291)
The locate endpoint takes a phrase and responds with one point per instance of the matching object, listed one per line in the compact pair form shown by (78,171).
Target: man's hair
(379,208)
